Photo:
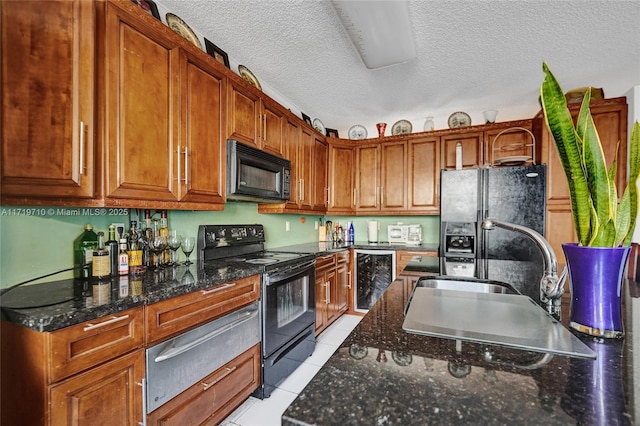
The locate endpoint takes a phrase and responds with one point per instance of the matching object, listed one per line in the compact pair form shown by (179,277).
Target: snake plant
(599,218)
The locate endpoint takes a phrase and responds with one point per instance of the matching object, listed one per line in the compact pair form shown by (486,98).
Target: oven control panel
(212,236)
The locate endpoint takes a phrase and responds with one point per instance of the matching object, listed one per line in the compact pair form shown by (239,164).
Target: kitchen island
(383,375)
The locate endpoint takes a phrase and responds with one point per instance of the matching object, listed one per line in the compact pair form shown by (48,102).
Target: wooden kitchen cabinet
(610,118)
(48,89)
(163,118)
(83,372)
(255,119)
(215,396)
(320,187)
(423,170)
(381,177)
(109,394)
(341,178)
(472,149)
(333,281)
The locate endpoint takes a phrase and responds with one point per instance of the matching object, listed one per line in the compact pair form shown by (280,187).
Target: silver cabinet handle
(301,190)
(217,289)
(172,351)
(179,151)
(355,190)
(143,384)
(264,127)
(107,322)
(206,386)
(327,291)
(186,165)
(381,195)
(82,147)
(349,279)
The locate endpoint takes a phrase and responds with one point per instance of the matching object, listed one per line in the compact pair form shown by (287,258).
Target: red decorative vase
(381,128)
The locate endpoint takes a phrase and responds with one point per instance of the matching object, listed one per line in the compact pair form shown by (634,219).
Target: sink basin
(491,312)
(474,285)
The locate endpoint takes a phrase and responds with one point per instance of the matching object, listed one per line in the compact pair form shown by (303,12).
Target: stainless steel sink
(474,285)
(487,312)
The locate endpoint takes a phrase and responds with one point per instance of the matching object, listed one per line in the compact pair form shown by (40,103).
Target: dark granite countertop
(57,304)
(53,305)
(381,375)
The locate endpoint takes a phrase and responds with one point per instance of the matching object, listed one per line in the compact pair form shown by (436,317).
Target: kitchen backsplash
(35,241)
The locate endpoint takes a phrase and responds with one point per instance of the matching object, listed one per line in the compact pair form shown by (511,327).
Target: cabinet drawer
(342,257)
(325,261)
(215,396)
(178,314)
(82,346)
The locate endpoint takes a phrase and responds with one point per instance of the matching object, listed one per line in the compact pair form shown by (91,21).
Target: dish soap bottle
(351,233)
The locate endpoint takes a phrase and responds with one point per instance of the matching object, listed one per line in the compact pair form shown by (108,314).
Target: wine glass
(175,240)
(157,244)
(188,244)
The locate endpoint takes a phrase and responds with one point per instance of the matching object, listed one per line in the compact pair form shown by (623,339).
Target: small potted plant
(603,223)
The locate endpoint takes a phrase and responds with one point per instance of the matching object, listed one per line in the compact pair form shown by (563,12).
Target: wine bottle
(112,246)
(164,232)
(100,259)
(83,247)
(134,250)
(147,255)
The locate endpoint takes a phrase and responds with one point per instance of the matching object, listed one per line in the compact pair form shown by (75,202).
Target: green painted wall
(35,241)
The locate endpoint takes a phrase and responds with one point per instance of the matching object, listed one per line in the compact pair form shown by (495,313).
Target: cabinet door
(423,174)
(272,131)
(321,300)
(340,294)
(471,149)
(142,101)
(319,185)
(331,293)
(200,157)
(110,394)
(341,168)
(291,145)
(367,177)
(243,113)
(305,169)
(47,99)
(393,173)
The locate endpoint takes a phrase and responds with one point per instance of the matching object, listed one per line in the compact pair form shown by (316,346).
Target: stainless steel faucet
(551,286)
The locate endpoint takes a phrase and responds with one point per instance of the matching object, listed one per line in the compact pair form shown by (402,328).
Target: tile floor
(267,412)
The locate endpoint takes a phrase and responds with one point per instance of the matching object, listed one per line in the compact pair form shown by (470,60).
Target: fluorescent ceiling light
(380,30)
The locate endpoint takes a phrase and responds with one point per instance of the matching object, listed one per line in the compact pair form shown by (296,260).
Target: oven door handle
(173,351)
(281,276)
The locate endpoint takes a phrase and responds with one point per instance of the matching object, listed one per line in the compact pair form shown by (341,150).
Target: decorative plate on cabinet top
(248,76)
(459,119)
(357,132)
(178,25)
(401,127)
(317,124)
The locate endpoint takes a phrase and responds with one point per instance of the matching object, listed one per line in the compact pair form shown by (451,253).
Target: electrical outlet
(316,225)
(287,226)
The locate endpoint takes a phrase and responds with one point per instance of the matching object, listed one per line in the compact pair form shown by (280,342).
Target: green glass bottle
(83,247)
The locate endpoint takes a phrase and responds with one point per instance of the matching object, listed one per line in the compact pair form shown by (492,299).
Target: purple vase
(597,276)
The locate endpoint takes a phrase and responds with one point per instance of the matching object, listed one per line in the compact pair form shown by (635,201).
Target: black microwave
(255,175)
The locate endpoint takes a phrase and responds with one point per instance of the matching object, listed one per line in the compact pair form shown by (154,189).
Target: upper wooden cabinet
(48,90)
(163,118)
(381,177)
(472,149)
(341,177)
(320,191)
(423,166)
(255,119)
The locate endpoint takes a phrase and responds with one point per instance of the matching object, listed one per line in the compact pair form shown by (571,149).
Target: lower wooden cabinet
(110,394)
(215,396)
(333,281)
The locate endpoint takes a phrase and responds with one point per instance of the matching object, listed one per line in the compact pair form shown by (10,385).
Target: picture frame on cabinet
(306,118)
(217,53)
(332,133)
(150,7)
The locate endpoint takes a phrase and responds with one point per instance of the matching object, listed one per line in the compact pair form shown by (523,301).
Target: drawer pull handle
(171,351)
(217,289)
(107,322)
(206,386)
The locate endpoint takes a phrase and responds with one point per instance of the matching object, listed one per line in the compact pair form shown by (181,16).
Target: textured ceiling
(472,56)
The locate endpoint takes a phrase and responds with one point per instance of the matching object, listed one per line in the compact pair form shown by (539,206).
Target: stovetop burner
(242,244)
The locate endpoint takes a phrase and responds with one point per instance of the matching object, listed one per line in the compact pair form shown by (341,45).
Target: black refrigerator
(511,194)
